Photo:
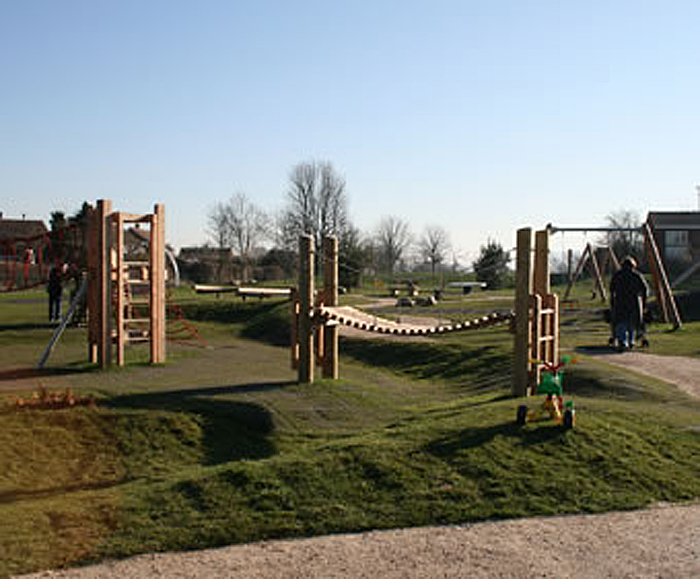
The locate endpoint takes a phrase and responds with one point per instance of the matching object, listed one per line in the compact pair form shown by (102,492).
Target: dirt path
(682,372)
(658,542)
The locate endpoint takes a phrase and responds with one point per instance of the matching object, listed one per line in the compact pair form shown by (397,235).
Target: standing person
(628,296)
(55,289)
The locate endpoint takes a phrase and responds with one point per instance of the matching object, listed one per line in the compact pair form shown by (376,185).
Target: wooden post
(614,260)
(598,277)
(523,289)
(306,303)
(93,299)
(294,330)
(157,285)
(664,293)
(118,225)
(319,333)
(330,297)
(579,268)
(540,277)
(104,283)
(569,264)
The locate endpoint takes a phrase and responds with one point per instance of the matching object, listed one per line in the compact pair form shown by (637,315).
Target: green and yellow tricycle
(553,406)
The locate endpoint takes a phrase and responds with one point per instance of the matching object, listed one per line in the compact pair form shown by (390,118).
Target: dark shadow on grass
(602,384)
(29,373)
(472,438)
(484,368)
(27,327)
(597,350)
(233,429)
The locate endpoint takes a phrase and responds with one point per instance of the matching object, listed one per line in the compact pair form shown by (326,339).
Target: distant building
(677,234)
(19,236)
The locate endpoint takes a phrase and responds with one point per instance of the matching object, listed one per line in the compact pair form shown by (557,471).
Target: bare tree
(217,225)
(629,240)
(241,225)
(434,246)
(316,204)
(250,227)
(393,239)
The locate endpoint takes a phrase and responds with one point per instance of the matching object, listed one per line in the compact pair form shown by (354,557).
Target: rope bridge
(360,320)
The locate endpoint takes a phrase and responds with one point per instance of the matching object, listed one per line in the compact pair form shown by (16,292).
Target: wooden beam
(330,298)
(294,330)
(93,272)
(136,218)
(664,293)
(540,277)
(579,268)
(597,275)
(157,288)
(523,289)
(306,303)
(104,290)
(117,222)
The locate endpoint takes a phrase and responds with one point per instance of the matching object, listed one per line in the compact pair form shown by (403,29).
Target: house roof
(21,229)
(676,220)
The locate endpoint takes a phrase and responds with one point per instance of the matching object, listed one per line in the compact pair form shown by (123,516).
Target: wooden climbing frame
(120,290)
(536,313)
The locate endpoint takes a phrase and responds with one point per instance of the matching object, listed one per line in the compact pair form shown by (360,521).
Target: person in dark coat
(628,296)
(55,289)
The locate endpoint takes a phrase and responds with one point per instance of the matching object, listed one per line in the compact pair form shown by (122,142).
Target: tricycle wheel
(568,421)
(521,417)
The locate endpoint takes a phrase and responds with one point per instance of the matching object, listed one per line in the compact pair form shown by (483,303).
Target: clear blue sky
(481,116)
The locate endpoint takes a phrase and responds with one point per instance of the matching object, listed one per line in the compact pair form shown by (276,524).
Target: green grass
(220,445)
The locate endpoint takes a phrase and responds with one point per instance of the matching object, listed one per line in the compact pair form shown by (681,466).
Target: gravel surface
(684,373)
(658,542)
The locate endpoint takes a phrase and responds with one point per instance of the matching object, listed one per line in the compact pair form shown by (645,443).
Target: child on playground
(55,290)
(628,295)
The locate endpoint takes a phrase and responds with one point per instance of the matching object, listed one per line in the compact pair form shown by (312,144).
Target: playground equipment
(536,342)
(662,288)
(554,407)
(120,285)
(591,257)
(314,328)
(120,290)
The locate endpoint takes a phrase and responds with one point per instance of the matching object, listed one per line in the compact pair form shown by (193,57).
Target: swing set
(662,288)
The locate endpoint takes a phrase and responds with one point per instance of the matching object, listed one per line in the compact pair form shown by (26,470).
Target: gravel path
(658,542)
(684,373)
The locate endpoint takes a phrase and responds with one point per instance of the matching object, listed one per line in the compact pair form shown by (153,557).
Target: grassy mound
(151,473)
